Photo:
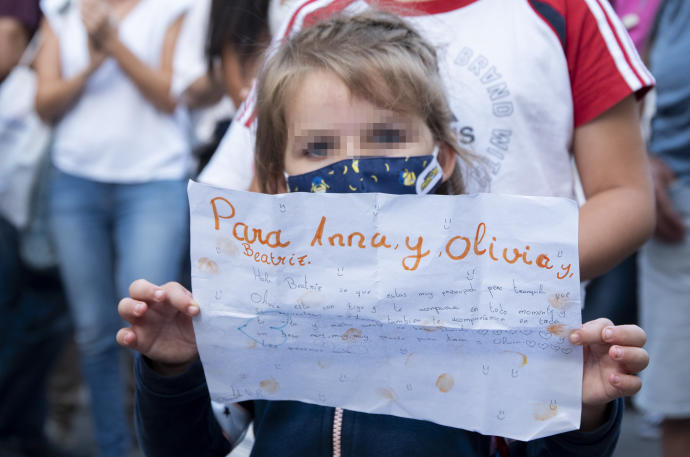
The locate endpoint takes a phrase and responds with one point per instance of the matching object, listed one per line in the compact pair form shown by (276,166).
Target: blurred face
(327,124)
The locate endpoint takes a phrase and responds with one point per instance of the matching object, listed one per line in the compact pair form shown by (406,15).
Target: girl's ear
(446,158)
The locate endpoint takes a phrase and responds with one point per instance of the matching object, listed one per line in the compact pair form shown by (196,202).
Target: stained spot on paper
(206,265)
(544,411)
(310,299)
(270,386)
(559,330)
(561,301)
(322,364)
(430,326)
(386,392)
(522,357)
(226,246)
(445,382)
(352,334)
(431,329)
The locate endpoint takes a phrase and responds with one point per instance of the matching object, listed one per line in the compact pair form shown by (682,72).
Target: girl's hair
(379,58)
(242,24)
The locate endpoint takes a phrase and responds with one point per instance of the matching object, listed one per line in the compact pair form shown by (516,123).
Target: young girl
(350,88)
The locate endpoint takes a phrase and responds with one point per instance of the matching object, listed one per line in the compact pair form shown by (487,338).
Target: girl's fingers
(624,335)
(146,291)
(171,293)
(603,331)
(626,384)
(633,359)
(591,332)
(126,338)
(131,310)
(181,298)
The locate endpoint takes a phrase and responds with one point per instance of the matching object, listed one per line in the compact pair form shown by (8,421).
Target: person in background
(220,52)
(614,294)
(35,321)
(18,22)
(638,17)
(236,36)
(120,161)
(664,262)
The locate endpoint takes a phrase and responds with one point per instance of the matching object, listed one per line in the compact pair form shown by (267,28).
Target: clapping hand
(98,21)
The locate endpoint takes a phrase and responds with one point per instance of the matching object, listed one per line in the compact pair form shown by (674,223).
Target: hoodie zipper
(337,431)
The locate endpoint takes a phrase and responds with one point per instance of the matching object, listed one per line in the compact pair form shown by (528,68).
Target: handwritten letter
(451,309)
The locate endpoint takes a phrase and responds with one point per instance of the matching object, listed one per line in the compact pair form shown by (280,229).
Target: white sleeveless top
(113,133)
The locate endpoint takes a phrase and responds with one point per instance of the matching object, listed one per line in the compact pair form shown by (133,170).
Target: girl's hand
(161,325)
(613,355)
(98,22)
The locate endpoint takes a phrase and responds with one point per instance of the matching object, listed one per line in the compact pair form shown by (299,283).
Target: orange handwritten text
(216,215)
(417,256)
(360,240)
(240,230)
(270,259)
(459,247)
(566,272)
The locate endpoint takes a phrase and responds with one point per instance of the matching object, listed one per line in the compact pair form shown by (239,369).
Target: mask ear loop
(430,176)
(435,152)
(287,181)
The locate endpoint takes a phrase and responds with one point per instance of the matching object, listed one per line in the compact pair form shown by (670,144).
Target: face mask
(390,175)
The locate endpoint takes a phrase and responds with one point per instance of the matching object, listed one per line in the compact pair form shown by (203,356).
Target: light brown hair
(379,58)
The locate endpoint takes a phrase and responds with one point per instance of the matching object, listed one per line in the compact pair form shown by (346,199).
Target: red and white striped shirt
(520,76)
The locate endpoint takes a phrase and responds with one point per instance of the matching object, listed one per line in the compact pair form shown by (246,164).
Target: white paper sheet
(452,309)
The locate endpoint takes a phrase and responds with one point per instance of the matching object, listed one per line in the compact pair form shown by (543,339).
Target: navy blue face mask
(390,175)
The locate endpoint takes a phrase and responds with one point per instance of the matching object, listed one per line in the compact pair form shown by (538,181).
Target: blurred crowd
(108,107)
